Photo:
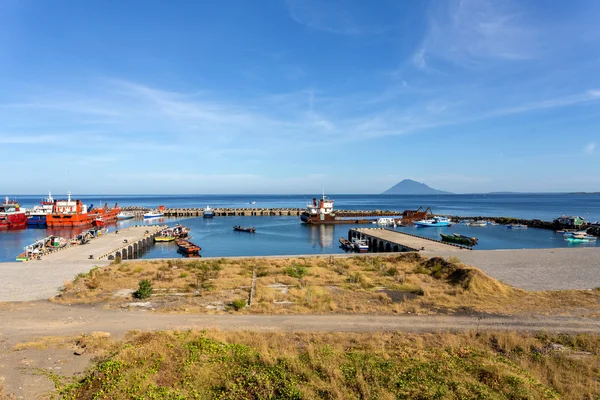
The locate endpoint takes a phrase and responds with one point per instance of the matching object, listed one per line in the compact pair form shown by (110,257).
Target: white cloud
(589,148)
(334,16)
(468,31)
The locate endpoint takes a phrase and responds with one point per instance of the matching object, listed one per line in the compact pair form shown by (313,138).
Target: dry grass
(393,284)
(95,342)
(242,365)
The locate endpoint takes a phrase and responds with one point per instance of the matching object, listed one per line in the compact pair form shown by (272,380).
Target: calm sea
(286,235)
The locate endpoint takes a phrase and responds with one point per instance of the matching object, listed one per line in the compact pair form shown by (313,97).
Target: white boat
(516,226)
(124,215)
(385,221)
(477,223)
(153,214)
(579,237)
(434,222)
(208,212)
(37,215)
(360,245)
(252,202)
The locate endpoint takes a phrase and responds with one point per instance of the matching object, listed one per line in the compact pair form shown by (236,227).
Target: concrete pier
(257,212)
(128,243)
(387,240)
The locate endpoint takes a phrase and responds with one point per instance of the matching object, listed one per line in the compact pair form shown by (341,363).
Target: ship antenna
(69,195)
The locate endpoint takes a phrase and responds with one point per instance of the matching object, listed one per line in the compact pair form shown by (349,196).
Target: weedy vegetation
(246,365)
(394,284)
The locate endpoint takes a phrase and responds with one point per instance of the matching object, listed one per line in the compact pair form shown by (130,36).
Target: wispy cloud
(334,16)
(589,148)
(469,31)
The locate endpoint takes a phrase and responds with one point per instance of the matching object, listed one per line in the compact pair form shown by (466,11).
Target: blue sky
(298,95)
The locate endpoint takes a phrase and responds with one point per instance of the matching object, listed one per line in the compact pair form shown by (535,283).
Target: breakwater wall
(254,212)
(296,212)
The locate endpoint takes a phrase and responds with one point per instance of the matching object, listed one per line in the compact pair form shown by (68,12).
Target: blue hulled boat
(37,216)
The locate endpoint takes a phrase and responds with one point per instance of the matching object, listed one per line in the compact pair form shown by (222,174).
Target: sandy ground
(537,269)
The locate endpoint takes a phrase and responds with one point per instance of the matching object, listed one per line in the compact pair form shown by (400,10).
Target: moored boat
(11,215)
(208,212)
(579,237)
(433,222)
(239,228)
(70,213)
(516,226)
(360,245)
(459,239)
(345,244)
(188,248)
(478,223)
(98,221)
(155,213)
(123,215)
(37,215)
(171,234)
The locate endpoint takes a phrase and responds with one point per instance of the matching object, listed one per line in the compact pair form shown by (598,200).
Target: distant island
(408,186)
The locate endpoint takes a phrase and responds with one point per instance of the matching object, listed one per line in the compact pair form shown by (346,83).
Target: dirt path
(21,322)
(26,320)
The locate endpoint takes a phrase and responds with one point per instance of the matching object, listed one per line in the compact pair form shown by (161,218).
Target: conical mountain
(408,186)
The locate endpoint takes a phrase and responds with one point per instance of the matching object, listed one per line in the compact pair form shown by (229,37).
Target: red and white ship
(70,213)
(11,216)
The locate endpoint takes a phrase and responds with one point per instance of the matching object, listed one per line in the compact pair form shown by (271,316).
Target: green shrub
(144,290)
(239,304)
(296,271)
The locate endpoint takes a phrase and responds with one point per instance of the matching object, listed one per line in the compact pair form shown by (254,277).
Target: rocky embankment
(531,223)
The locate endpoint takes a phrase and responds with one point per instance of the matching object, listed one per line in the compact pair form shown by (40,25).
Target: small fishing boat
(516,226)
(385,221)
(493,223)
(580,237)
(188,248)
(172,234)
(123,215)
(252,202)
(360,245)
(459,239)
(208,212)
(250,229)
(153,214)
(434,222)
(478,223)
(345,244)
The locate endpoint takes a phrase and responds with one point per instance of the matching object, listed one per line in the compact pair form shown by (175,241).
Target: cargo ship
(11,216)
(321,212)
(70,213)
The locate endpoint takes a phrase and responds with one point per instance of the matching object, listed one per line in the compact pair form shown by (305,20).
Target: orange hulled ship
(69,213)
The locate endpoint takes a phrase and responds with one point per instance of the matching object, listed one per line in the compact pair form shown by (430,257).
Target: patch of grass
(247,365)
(344,285)
(296,271)
(239,304)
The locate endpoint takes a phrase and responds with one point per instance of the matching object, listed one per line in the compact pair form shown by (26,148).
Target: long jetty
(387,240)
(256,212)
(127,243)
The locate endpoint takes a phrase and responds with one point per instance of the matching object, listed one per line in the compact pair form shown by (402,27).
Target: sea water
(287,235)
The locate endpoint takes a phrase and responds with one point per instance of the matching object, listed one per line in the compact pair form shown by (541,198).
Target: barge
(321,212)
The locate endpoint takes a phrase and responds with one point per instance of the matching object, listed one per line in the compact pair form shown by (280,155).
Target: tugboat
(11,216)
(321,212)
(250,229)
(208,212)
(37,216)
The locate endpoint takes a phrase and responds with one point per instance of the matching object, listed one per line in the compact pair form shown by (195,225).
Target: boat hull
(13,221)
